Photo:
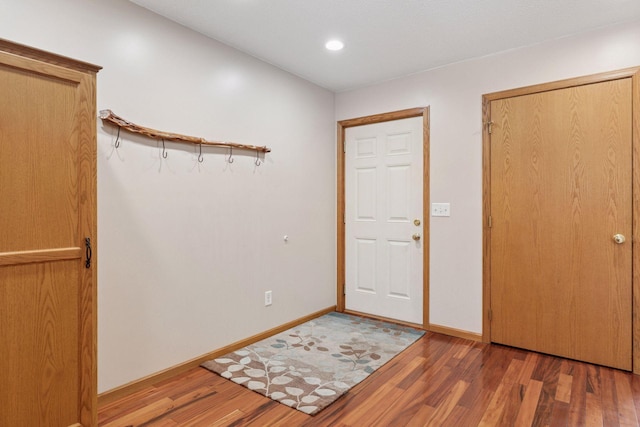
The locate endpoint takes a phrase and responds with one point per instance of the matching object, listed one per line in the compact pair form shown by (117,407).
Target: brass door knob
(618,238)
(416,237)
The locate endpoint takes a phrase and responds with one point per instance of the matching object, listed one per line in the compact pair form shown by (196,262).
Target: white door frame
(379,118)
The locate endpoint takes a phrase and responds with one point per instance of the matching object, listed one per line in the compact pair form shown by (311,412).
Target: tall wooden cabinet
(47,239)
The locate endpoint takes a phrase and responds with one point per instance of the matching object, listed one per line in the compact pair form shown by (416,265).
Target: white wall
(454,93)
(186,250)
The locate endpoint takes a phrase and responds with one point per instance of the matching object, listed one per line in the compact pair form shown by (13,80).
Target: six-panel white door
(383,219)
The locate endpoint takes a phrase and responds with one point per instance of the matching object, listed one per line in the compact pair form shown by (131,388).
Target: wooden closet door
(47,195)
(561,171)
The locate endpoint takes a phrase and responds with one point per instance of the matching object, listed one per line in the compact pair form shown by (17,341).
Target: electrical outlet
(268,298)
(440,209)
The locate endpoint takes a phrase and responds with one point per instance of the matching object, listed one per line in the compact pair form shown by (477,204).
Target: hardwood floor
(438,381)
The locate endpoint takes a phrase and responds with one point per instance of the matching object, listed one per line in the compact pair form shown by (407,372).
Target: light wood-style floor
(439,381)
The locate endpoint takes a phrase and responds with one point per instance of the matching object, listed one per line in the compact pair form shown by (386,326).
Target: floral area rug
(309,366)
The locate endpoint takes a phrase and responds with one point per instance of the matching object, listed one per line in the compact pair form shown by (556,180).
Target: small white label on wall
(440,209)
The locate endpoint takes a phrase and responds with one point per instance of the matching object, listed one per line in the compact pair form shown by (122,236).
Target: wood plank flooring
(438,381)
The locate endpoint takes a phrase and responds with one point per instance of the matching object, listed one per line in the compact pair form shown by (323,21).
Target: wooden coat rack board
(109,116)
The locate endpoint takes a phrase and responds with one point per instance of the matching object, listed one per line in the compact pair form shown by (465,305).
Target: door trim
(379,118)
(634,74)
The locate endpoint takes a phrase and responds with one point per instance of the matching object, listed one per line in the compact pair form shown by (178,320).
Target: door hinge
(344,146)
(489,222)
(344,289)
(489,127)
(490,315)
(344,218)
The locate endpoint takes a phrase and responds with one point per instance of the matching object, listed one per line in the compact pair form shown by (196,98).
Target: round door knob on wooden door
(416,237)
(618,238)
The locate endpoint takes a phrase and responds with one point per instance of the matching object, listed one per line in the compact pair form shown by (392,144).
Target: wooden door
(47,194)
(560,189)
(383,216)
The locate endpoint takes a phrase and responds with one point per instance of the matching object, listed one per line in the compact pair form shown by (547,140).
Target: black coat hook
(117,143)
(200,158)
(230,159)
(164,152)
(258,162)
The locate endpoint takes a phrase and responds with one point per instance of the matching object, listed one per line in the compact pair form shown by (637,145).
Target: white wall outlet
(268,298)
(440,209)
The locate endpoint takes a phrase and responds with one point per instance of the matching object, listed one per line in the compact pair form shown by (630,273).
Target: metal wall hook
(258,162)
(164,151)
(117,143)
(230,159)
(200,158)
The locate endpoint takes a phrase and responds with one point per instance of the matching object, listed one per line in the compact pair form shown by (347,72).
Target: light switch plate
(440,209)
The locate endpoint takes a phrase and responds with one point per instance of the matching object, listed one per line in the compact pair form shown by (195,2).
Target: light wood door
(383,193)
(47,194)
(561,164)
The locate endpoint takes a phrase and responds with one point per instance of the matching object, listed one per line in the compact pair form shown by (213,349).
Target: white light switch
(440,209)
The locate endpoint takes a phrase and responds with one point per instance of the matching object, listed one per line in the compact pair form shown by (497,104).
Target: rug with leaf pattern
(308,367)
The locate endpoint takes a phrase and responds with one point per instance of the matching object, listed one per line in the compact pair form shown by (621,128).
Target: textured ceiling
(385,39)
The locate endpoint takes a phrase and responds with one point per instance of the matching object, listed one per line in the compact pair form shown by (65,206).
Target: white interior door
(383,219)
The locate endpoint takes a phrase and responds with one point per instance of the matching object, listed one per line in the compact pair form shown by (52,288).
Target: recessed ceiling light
(334,45)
